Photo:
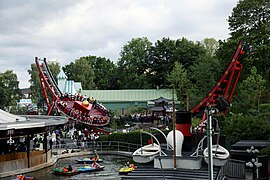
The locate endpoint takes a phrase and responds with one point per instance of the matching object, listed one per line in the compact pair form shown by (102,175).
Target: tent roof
(11,121)
(160,100)
(158,108)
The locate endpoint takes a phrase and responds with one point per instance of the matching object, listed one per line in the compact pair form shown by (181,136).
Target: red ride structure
(82,109)
(226,85)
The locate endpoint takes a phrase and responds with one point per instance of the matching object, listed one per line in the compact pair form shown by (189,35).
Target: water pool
(112,164)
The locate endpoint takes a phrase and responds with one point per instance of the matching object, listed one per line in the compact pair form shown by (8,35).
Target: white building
(68,86)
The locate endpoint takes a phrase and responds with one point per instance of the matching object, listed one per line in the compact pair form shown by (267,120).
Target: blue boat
(88,160)
(89,169)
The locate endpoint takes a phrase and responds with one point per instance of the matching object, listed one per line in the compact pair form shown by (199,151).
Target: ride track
(81,109)
(226,85)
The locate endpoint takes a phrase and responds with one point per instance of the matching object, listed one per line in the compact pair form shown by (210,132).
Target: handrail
(156,141)
(98,145)
(162,134)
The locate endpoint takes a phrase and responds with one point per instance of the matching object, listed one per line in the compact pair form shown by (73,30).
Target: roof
(11,121)
(26,90)
(61,74)
(158,108)
(128,95)
(6,117)
(160,100)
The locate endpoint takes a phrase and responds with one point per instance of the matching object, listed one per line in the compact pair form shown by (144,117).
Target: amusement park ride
(90,112)
(77,107)
(224,89)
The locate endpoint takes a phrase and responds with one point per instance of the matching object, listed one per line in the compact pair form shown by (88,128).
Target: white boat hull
(146,154)
(220,155)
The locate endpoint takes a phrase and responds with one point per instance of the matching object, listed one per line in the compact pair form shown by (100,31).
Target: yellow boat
(125,170)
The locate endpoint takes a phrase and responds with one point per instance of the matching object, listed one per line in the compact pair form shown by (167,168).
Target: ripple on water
(112,164)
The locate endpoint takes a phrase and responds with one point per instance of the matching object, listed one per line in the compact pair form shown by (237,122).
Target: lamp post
(254,163)
(210,111)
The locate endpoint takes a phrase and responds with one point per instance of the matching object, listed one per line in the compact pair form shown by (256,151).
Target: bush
(244,127)
(132,137)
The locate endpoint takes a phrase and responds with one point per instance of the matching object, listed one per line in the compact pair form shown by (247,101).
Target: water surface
(112,164)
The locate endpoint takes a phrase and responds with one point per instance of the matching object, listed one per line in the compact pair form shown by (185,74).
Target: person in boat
(129,165)
(67,169)
(96,156)
(20,177)
(70,168)
(95,165)
(132,166)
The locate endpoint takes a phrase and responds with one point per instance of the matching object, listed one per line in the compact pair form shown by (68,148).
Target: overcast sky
(69,29)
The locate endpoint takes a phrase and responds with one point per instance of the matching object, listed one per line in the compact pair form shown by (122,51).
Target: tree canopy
(9,89)
(35,86)
(250,21)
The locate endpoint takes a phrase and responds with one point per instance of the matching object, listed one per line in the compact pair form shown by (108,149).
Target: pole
(161,167)
(209,142)
(187,99)
(141,141)
(174,141)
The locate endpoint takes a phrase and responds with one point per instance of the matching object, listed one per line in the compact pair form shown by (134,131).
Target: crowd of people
(80,137)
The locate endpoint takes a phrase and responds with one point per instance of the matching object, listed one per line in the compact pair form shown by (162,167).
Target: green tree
(188,52)
(161,62)
(165,52)
(4,98)
(245,127)
(81,71)
(211,45)
(35,85)
(250,21)
(178,79)
(9,88)
(203,76)
(104,72)
(132,64)
(250,93)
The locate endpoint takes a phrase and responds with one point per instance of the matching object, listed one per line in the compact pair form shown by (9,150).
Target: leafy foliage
(35,86)
(250,20)
(178,80)
(103,72)
(133,66)
(242,127)
(81,71)
(254,84)
(9,89)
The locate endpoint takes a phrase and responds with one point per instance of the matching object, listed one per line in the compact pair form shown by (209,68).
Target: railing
(97,145)
(233,169)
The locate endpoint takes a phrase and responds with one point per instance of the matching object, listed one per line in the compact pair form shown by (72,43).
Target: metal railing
(97,145)
(233,169)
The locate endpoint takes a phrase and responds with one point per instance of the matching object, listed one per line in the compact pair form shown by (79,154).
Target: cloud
(67,30)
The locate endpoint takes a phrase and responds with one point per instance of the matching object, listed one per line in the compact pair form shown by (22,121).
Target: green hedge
(243,127)
(132,137)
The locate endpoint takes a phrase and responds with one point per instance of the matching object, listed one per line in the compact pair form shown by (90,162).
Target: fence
(97,145)
(233,169)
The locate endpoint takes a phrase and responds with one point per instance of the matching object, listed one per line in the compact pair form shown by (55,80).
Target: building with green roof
(118,101)
(126,100)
